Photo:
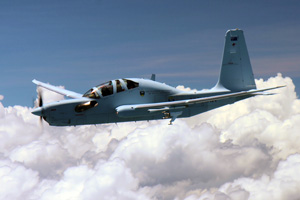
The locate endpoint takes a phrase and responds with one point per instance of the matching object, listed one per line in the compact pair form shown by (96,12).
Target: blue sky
(79,44)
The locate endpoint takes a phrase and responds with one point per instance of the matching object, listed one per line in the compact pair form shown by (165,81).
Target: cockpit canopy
(110,87)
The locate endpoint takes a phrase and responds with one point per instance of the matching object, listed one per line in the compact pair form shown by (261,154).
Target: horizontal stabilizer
(265,89)
(264,93)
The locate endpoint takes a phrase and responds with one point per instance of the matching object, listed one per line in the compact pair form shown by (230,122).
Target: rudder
(236,70)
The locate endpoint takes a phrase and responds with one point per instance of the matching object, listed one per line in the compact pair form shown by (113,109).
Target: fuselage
(102,110)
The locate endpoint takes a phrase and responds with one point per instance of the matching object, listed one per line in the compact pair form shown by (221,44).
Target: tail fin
(236,71)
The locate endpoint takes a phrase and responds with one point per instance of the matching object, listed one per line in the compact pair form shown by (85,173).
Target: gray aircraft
(134,99)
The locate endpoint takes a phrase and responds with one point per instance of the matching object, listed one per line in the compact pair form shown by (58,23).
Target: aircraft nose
(37,111)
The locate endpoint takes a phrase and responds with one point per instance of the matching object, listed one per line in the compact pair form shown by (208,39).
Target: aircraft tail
(236,71)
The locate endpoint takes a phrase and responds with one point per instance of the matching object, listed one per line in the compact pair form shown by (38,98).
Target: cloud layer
(247,150)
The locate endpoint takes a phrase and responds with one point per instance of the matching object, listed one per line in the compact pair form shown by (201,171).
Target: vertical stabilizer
(236,71)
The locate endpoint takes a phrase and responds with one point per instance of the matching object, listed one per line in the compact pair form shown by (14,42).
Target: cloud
(16,181)
(247,150)
(284,183)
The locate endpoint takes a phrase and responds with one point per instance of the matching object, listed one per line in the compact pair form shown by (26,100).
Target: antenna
(153,77)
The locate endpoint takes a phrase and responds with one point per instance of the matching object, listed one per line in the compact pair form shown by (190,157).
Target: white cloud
(247,150)
(284,183)
(107,180)
(17,182)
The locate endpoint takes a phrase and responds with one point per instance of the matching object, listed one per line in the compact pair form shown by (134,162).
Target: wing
(58,90)
(177,106)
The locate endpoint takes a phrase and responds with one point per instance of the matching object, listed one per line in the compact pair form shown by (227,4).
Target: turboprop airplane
(134,99)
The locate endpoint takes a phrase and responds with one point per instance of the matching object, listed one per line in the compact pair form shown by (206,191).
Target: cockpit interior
(110,87)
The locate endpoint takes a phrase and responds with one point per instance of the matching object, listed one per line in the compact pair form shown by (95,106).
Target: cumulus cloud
(16,181)
(247,150)
(284,183)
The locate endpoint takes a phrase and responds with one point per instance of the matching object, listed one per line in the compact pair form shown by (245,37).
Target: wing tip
(35,81)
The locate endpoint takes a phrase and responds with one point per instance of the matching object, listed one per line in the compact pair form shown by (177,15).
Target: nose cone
(37,111)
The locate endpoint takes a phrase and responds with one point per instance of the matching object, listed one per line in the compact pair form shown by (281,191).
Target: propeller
(39,109)
(40,99)
(40,103)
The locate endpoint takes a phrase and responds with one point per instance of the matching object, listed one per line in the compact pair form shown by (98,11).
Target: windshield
(104,89)
(92,93)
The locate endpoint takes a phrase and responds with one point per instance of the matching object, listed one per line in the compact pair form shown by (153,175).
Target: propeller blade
(40,99)
(40,104)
